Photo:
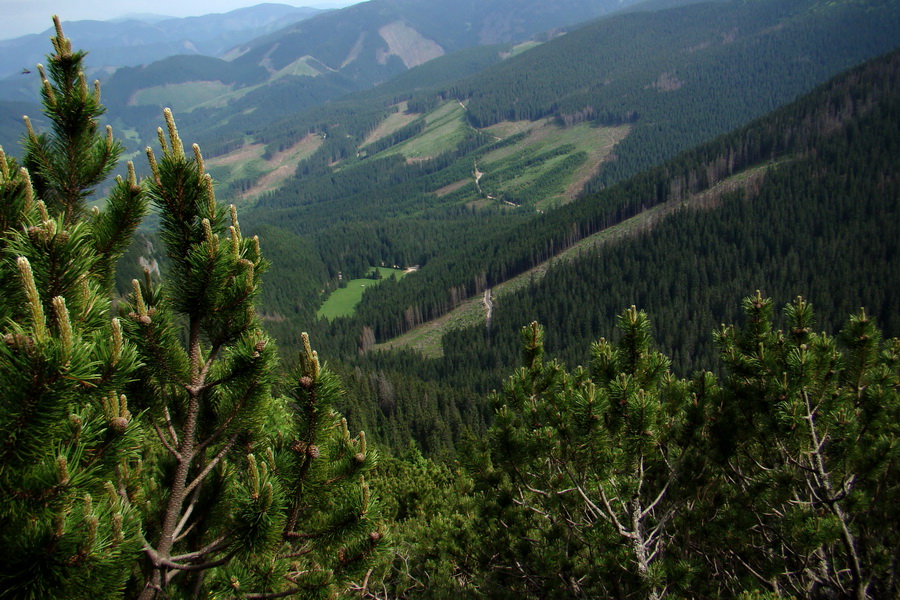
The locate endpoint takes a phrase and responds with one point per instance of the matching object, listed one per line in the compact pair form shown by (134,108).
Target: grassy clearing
(504,129)
(426,338)
(300,67)
(545,136)
(392,123)
(449,189)
(182,97)
(248,163)
(283,165)
(342,301)
(598,142)
(520,48)
(445,127)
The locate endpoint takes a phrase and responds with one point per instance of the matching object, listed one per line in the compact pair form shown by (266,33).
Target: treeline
(480,263)
(821,221)
(625,479)
(360,197)
(824,227)
(656,69)
(818,219)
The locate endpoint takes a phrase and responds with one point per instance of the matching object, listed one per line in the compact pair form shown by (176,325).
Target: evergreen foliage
(149,454)
(67,528)
(807,431)
(626,481)
(599,466)
(150,448)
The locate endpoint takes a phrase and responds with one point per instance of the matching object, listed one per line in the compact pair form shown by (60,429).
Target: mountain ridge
(133,41)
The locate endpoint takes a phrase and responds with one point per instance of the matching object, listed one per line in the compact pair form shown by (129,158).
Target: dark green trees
(600,461)
(66,526)
(629,482)
(810,442)
(149,454)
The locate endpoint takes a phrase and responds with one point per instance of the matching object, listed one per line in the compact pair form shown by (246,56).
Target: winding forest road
(488,307)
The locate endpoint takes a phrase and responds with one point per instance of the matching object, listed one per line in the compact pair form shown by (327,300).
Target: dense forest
(810,208)
(364,208)
(632,421)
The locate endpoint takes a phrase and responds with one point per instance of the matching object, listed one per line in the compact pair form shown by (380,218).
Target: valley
(426,338)
(468,177)
(500,299)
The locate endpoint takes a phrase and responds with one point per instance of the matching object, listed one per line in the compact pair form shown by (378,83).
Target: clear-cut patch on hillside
(248,162)
(355,50)
(305,66)
(392,123)
(408,44)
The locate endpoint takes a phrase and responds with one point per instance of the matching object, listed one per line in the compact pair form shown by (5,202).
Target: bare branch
(165,443)
(212,464)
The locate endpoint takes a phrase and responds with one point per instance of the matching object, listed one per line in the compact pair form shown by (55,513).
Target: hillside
(364,207)
(134,42)
(557,334)
(114,45)
(279,75)
(807,205)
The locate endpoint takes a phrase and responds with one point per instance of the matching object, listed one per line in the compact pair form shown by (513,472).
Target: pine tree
(809,436)
(600,461)
(268,489)
(148,453)
(66,428)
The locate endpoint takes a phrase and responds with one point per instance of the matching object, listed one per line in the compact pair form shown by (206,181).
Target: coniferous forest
(685,382)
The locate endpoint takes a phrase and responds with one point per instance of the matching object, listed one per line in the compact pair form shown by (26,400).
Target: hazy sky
(21,17)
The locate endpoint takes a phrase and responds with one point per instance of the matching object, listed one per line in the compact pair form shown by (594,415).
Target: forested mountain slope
(686,75)
(804,201)
(821,223)
(152,445)
(394,34)
(338,52)
(141,41)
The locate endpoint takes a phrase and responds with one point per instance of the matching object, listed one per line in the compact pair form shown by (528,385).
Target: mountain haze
(333,54)
(442,191)
(373,40)
(128,42)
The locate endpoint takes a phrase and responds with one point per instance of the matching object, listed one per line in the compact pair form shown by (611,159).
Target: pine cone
(258,348)
(312,451)
(119,424)
(19,341)
(298,447)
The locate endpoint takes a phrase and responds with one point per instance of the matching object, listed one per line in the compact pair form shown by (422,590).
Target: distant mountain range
(374,40)
(504,132)
(308,55)
(142,39)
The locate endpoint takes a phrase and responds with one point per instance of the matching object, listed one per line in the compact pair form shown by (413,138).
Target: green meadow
(342,301)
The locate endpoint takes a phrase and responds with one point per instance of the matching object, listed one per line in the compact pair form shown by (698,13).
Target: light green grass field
(342,301)
(182,97)
(445,128)
(391,123)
